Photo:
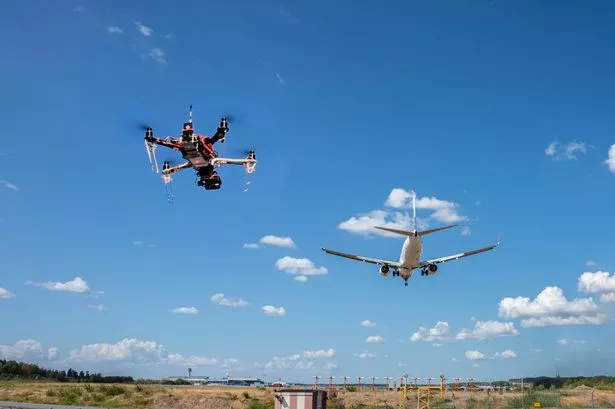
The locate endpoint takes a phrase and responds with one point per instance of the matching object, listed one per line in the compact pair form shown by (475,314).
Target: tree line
(23,370)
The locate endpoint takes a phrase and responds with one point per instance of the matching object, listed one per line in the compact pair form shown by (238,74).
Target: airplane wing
(457,256)
(378,261)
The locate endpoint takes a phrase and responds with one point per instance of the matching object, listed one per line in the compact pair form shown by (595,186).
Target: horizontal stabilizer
(412,233)
(426,232)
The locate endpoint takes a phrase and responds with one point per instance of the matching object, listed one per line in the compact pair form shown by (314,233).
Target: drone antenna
(190,114)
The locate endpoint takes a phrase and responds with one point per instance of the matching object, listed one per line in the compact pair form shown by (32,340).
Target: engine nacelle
(384,271)
(432,269)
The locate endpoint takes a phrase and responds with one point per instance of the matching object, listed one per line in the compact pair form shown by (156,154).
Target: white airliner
(410,257)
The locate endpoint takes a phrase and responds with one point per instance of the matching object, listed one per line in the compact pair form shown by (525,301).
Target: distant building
(195,380)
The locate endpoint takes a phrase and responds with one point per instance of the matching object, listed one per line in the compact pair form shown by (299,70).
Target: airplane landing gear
(406,284)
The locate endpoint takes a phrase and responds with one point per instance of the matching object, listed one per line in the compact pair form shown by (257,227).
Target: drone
(198,152)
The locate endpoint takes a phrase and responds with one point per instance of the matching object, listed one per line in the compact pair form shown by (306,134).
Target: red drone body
(199,153)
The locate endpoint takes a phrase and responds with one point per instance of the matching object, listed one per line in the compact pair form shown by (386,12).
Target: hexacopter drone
(198,152)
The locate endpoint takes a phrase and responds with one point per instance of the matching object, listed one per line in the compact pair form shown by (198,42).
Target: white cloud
(440,332)
(114,30)
(454,359)
(230,363)
(440,210)
(299,266)
(250,246)
(598,282)
(475,365)
(550,301)
(98,307)
(436,345)
(186,310)
(301,279)
(366,354)
(570,341)
(465,231)
(8,185)
(23,350)
(137,242)
(329,366)
(568,151)
(597,319)
(169,36)
(76,285)
(4,293)
(488,329)
(507,354)
(475,355)
(535,350)
(611,159)
(367,324)
(363,223)
(157,54)
(143,29)
(220,299)
(279,241)
(374,339)
(607,298)
(290,362)
(273,311)
(591,263)
(52,353)
(321,353)
(128,349)
(191,361)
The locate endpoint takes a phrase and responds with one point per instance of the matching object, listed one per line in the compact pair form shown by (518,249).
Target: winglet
(499,238)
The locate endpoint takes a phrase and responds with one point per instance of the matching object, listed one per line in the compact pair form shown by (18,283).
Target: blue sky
(500,113)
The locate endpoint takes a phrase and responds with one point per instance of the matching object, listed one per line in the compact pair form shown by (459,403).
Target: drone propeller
(141,125)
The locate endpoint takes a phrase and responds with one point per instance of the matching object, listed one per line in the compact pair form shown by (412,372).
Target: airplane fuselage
(410,256)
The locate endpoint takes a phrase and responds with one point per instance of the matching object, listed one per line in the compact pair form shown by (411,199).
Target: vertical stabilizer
(414,227)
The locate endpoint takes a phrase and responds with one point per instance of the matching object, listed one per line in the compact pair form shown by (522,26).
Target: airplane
(410,257)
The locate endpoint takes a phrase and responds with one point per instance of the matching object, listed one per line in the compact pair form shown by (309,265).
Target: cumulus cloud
(220,299)
(128,349)
(27,350)
(374,339)
(301,279)
(600,282)
(273,311)
(488,329)
(365,354)
(76,285)
(550,301)
(114,30)
(98,307)
(143,29)
(250,246)
(591,263)
(191,361)
(299,266)
(396,217)
(440,332)
(4,293)
(465,231)
(52,353)
(566,151)
(321,353)
(279,241)
(187,310)
(367,323)
(290,362)
(329,366)
(507,354)
(597,319)
(475,355)
(611,159)
(8,185)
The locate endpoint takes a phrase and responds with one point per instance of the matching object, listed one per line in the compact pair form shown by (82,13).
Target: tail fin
(415,232)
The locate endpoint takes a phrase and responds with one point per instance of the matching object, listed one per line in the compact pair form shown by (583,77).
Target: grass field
(190,397)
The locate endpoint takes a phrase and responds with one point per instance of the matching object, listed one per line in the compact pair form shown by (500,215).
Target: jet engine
(384,271)
(432,268)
